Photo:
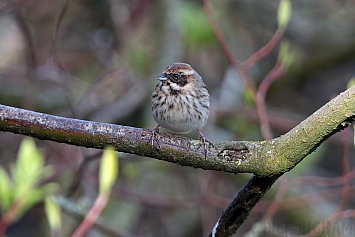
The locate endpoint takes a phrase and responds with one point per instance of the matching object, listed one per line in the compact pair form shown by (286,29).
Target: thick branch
(238,210)
(262,158)
(225,156)
(268,160)
(291,148)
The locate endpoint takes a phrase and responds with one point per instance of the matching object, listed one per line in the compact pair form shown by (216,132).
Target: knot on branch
(234,152)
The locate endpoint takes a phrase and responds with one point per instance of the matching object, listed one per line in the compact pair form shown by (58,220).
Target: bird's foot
(204,142)
(153,138)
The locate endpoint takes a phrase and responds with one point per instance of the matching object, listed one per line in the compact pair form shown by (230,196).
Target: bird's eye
(176,75)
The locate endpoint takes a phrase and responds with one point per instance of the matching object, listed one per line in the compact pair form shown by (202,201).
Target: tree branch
(224,156)
(262,158)
(267,160)
(331,118)
(238,210)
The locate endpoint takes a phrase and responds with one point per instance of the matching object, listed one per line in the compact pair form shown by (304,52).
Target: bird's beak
(162,77)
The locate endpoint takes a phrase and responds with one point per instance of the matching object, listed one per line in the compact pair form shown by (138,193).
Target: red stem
(325,181)
(9,217)
(226,50)
(302,200)
(346,170)
(273,75)
(265,50)
(275,205)
(91,217)
(3,226)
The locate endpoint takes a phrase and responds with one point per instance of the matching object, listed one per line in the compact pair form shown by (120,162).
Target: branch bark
(238,210)
(267,160)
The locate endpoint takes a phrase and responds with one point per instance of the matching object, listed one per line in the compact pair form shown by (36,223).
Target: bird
(180,101)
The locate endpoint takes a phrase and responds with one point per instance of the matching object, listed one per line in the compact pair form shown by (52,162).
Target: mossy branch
(267,160)
(262,158)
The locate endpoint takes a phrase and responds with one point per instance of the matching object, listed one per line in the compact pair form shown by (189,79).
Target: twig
(302,200)
(57,64)
(284,186)
(56,27)
(257,94)
(265,50)
(91,217)
(273,75)
(27,35)
(346,170)
(321,181)
(226,50)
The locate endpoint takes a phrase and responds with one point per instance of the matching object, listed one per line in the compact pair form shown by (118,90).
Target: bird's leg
(204,141)
(152,138)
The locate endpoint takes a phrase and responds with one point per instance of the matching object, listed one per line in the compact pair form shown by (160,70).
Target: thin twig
(226,50)
(25,29)
(304,200)
(281,192)
(257,94)
(321,181)
(92,216)
(346,170)
(273,75)
(56,27)
(57,64)
(265,50)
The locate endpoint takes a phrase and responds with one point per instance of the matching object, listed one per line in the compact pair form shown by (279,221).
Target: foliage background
(102,66)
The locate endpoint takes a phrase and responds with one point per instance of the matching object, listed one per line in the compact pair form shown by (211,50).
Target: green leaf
(284,13)
(6,192)
(53,213)
(24,204)
(48,189)
(351,83)
(108,170)
(27,171)
(46,172)
(248,97)
(286,56)
(21,194)
(34,196)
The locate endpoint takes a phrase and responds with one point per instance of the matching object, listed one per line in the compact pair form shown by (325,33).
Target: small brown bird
(180,101)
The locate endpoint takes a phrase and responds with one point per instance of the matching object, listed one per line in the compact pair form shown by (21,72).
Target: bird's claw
(153,137)
(204,141)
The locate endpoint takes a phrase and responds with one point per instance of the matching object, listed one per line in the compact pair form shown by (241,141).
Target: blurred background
(99,59)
